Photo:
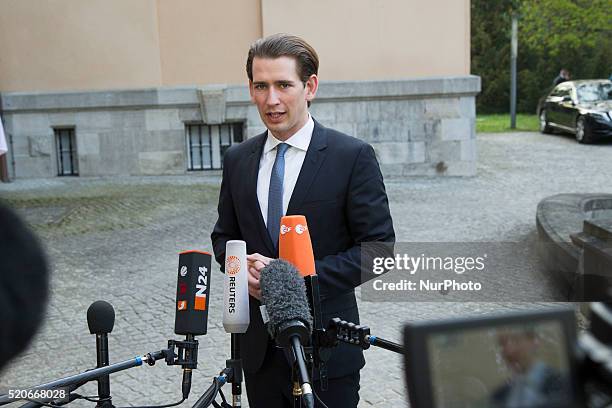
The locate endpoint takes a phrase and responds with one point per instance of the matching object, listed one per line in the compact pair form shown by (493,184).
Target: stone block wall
(417,127)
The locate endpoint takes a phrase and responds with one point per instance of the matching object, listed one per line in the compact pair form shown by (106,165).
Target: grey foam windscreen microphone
(284,293)
(100,317)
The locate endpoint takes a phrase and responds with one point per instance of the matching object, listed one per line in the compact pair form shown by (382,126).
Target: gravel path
(117,240)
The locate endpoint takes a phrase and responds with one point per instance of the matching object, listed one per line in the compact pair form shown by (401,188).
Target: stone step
(599,228)
(580,238)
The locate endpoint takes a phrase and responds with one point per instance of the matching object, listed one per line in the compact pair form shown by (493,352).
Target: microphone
(24,276)
(101,319)
(236,317)
(294,244)
(236,291)
(295,247)
(192,289)
(284,293)
(191,319)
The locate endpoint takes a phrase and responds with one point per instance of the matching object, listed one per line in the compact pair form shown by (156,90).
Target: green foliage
(575,34)
(490,52)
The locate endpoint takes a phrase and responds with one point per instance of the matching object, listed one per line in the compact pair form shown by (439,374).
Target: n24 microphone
(284,293)
(294,244)
(192,297)
(236,291)
(192,289)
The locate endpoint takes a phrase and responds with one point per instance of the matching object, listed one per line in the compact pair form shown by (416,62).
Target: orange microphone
(294,244)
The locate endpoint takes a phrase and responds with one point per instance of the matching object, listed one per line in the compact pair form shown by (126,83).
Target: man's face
(517,350)
(280,96)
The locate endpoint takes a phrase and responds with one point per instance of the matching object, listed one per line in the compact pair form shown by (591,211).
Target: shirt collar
(299,140)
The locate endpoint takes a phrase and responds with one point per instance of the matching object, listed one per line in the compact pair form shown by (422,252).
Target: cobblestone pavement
(118,239)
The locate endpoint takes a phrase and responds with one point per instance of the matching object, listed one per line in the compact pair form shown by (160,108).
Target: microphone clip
(347,332)
(186,354)
(321,345)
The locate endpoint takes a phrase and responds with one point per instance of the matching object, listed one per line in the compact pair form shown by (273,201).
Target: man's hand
(255,263)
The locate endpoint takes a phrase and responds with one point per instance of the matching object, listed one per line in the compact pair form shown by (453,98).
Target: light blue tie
(275,194)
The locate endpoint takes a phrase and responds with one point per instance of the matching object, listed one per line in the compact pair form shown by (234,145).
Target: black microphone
(101,319)
(284,293)
(24,284)
(192,297)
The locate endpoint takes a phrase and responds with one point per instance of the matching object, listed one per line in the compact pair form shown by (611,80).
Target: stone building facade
(422,126)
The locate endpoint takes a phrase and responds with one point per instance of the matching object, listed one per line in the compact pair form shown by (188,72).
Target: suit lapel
(251,175)
(315,155)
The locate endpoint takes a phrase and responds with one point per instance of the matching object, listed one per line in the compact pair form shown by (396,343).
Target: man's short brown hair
(285,45)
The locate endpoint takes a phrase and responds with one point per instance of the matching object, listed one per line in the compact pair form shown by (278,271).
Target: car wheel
(582,131)
(544,127)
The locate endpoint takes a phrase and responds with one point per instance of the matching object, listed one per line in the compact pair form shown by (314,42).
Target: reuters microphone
(236,317)
(236,290)
(294,244)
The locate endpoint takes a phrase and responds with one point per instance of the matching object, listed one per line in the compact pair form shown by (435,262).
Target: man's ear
(311,87)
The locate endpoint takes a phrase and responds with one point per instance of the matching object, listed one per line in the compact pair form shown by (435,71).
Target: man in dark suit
(299,167)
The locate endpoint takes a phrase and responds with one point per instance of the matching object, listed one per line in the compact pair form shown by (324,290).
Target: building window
(207,144)
(65,143)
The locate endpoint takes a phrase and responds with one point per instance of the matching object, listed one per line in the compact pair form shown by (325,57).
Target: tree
(575,34)
(490,52)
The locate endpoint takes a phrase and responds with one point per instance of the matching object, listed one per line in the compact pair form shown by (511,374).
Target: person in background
(564,75)
(532,382)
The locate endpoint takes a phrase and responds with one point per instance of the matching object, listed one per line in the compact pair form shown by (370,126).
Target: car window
(561,90)
(594,92)
(555,92)
(564,91)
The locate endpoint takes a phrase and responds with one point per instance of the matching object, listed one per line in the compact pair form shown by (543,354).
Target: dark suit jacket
(340,190)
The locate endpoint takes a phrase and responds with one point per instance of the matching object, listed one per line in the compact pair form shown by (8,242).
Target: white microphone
(236,291)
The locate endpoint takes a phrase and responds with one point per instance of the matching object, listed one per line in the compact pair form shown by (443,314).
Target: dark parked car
(583,108)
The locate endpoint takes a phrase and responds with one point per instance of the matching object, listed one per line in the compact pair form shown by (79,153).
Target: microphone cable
(319,399)
(210,394)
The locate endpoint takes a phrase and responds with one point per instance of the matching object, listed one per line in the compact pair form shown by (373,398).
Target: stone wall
(417,127)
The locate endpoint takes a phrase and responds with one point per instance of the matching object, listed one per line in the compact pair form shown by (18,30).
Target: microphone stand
(104,381)
(351,333)
(210,394)
(321,344)
(232,373)
(96,373)
(299,367)
(190,361)
(235,365)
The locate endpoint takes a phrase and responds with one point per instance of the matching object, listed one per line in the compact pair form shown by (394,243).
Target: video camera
(525,359)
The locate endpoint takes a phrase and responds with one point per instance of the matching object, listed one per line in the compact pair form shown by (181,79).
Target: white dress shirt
(294,158)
